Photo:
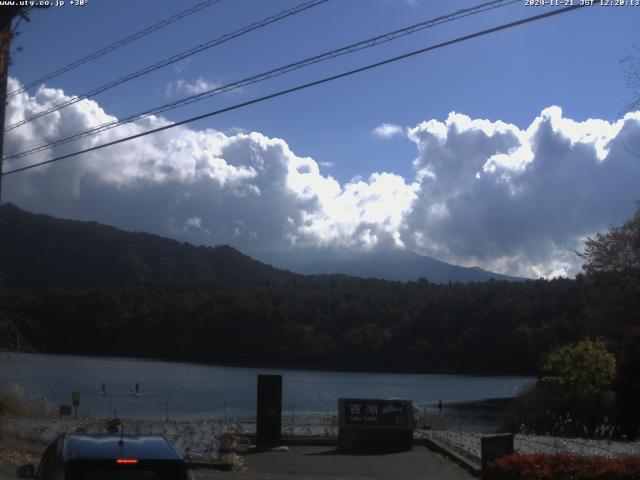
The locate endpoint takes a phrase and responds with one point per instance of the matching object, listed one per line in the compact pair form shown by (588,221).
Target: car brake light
(127,460)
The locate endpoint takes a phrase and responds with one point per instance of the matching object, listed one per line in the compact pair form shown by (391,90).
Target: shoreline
(271,367)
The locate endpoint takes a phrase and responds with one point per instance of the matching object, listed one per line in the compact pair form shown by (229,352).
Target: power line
(306,85)
(371,42)
(175,58)
(110,48)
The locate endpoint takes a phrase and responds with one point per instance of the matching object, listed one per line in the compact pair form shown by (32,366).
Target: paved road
(324,463)
(7,472)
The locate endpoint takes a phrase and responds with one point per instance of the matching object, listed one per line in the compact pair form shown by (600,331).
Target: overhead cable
(371,42)
(110,48)
(304,86)
(175,58)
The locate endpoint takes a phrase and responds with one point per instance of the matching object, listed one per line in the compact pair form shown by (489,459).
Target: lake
(193,391)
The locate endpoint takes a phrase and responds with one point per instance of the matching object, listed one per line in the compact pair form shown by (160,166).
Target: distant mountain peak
(397,265)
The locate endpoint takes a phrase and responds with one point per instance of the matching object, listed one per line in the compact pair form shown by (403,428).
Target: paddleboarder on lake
(137,388)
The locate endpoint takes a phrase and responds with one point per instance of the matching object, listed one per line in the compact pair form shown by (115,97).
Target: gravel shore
(200,439)
(195,439)
(470,443)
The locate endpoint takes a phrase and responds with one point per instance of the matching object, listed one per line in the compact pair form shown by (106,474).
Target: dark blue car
(102,457)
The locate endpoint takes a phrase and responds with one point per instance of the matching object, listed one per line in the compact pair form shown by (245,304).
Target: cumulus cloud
(387,130)
(205,186)
(520,201)
(483,192)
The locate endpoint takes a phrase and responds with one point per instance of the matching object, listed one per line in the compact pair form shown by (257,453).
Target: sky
(504,151)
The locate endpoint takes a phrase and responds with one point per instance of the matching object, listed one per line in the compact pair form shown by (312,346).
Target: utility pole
(7,14)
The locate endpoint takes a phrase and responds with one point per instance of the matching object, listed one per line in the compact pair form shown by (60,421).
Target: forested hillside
(334,322)
(217,305)
(46,252)
(40,251)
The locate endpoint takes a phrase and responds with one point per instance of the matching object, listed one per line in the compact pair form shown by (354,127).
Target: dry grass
(9,456)
(15,401)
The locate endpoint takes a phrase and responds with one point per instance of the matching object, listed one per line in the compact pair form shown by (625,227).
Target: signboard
(376,412)
(65,409)
(269,410)
(75,398)
(368,424)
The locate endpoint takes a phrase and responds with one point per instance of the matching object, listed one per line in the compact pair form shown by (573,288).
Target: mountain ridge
(42,251)
(42,248)
(399,266)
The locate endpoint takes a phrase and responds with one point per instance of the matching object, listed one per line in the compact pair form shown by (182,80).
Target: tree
(580,379)
(584,368)
(573,395)
(16,333)
(613,276)
(617,250)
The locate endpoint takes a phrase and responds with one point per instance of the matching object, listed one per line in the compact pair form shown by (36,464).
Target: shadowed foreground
(326,462)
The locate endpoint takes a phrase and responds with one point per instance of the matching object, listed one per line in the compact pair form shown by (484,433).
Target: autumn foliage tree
(612,262)
(580,378)
(573,395)
(615,251)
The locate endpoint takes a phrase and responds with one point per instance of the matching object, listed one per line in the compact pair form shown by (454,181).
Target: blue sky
(572,61)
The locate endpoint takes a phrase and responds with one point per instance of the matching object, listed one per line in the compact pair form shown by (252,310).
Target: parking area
(327,463)
(309,462)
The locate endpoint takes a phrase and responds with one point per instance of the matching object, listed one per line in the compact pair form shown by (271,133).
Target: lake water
(193,391)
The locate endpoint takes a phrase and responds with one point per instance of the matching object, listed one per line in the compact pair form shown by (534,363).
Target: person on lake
(104,388)
(137,388)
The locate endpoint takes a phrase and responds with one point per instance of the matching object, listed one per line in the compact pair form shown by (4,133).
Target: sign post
(64,410)
(75,401)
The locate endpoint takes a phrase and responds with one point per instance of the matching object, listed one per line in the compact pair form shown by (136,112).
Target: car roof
(107,447)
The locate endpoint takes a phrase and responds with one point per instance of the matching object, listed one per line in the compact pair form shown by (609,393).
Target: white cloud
(206,186)
(411,3)
(195,87)
(485,193)
(195,222)
(520,201)
(387,130)
(363,214)
(181,65)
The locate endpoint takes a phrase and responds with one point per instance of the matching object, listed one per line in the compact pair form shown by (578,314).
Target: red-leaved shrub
(563,466)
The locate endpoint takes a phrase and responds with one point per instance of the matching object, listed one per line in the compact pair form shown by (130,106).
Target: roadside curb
(445,449)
